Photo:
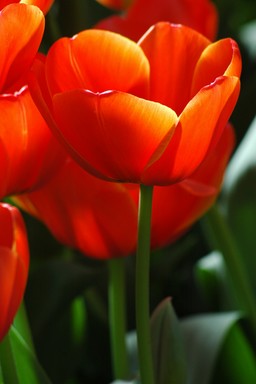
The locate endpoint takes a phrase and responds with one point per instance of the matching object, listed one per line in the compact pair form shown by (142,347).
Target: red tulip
(14,264)
(100,218)
(28,151)
(142,113)
(44,5)
(84,212)
(200,15)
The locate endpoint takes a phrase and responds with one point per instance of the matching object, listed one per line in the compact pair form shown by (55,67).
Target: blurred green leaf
(22,326)
(204,336)
(239,198)
(236,363)
(167,345)
(124,382)
(214,283)
(247,34)
(53,286)
(58,312)
(19,364)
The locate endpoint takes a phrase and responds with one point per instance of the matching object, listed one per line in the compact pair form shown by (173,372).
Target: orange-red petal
(173,52)
(200,15)
(177,207)
(114,133)
(32,154)
(221,58)
(97,217)
(19,44)
(44,5)
(200,127)
(14,263)
(97,61)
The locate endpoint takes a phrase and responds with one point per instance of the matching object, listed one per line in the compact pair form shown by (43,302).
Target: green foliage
(167,345)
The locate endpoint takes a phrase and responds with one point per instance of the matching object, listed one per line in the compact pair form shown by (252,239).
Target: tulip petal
(14,263)
(97,217)
(172,51)
(177,207)
(207,178)
(221,58)
(4,3)
(44,5)
(111,62)
(200,127)
(200,15)
(19,44)
(32,154)
(114,133)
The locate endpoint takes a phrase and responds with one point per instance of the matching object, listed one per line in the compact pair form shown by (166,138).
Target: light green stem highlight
(222,238)
(117,318)
(142,286)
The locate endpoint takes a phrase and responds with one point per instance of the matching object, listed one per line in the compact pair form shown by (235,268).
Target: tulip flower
(146,113)
(44,5)
(14,264)
(200,15)
(100,218)
(28,150)
(84,212)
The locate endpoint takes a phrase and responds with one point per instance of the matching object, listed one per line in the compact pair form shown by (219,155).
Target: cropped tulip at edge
(14,264)
(44,5)
(141,113)
(29,153)
(99,218)
(200,15)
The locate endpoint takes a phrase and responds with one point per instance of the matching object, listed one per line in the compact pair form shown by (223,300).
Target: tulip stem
(142,286)
(117,318)
(222,238)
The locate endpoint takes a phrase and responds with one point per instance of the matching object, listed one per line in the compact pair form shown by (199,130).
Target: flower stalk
(142,286)
(117,318)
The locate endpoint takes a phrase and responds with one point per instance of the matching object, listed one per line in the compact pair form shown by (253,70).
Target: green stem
(222,238)
(117,317)
(142,286)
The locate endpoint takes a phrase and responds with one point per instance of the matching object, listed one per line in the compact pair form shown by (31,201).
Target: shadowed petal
(14,263)
(177,207)
(97,217)
(200,15)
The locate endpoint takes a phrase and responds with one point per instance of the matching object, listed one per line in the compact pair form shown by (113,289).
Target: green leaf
(57,311)
(204,337)
(239,198)
(236,363)
(52,287)
(19,364)
(167,345)
(214,283)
